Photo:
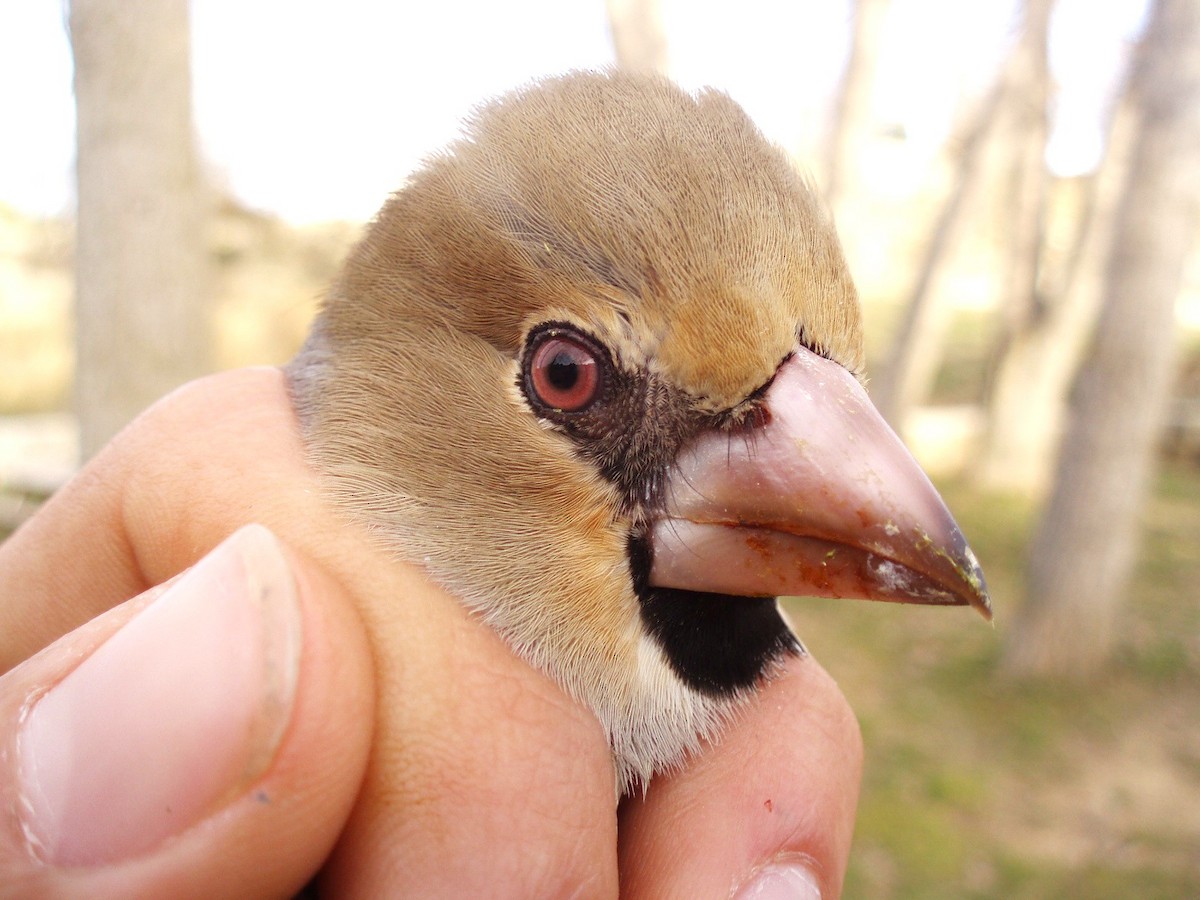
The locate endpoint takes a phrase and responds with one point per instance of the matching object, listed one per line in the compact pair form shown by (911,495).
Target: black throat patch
(719,644)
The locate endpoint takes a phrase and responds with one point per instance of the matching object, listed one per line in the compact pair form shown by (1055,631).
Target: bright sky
(314,110)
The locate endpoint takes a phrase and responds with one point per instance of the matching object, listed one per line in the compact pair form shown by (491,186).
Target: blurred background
(1017,184)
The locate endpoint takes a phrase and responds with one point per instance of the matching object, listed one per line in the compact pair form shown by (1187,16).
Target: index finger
(187,473)
(484,775)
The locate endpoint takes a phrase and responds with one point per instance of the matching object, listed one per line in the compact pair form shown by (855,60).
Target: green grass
(979,787)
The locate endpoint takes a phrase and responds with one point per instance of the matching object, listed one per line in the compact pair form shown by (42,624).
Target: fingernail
(178,710)
(781,881)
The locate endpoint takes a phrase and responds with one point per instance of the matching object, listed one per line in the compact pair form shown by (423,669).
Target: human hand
(358,722)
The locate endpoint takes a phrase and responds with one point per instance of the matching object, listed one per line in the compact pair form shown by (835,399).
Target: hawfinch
(597,367)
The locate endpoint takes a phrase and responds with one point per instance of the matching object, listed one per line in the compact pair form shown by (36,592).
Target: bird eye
(564,373)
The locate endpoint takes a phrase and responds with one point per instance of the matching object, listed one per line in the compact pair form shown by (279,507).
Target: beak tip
(976,594)
(978,597)
(983,605)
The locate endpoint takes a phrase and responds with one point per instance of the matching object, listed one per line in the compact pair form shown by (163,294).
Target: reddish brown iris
(564,374)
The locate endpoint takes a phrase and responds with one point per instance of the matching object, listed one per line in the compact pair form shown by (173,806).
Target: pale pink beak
(823,501)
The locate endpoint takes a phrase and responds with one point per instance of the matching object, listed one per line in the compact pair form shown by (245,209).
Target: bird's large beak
(823,500)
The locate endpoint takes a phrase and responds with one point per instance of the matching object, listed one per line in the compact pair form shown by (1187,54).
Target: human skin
(415,753)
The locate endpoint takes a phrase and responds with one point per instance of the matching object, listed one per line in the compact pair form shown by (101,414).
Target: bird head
(596,368)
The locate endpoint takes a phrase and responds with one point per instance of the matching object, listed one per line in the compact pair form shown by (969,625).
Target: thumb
(204,739)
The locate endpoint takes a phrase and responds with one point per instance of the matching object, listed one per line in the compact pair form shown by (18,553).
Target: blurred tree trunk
(638,36)
(853,124)
(1027,396)
(1014,112)
(142,326)
(906,376)
(1028,130)
(1083,556)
